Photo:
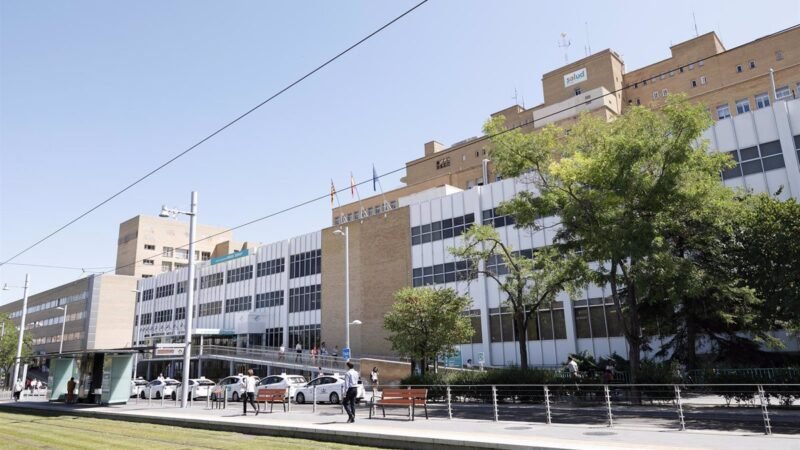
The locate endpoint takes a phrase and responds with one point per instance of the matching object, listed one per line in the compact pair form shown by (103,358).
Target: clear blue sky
(94,94)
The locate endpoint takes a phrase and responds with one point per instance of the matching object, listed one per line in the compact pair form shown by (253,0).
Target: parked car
(330,388)
(161,388)
(137,385)
(282,381)
(198,387)
(233,387)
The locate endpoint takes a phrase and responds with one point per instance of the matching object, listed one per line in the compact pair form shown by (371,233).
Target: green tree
(8,346)
(529,284)
(426,322)
(619,188)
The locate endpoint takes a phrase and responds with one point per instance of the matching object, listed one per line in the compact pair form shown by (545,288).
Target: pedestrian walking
(572,368)
(71,390)
(335,351)
(373,376)
(249,392)
(18,386)
(351,391)
(299,349)
(323,350)
(281,352)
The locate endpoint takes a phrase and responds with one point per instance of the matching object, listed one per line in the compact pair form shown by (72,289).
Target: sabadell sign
(575,77)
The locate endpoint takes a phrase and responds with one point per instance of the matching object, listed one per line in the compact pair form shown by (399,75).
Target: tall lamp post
(187,353)
(136,335)
(21,326)
(63,325)
(346,234)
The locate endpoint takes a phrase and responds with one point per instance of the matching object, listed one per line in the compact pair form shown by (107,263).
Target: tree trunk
(519,327)
(691,345)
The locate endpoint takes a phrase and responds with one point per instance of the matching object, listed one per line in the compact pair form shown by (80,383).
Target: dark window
(270,267)
(304,264)
(771,148)
(147,295)
(145,319)
(735,171)
(773,162)
(306,335)
(273,337)
(238,304)
(268,299)
(215,279)
(162,316)
(306,298)
(750,167)
(439,230)
(240,274)
(165,291)
(209,309)
(180,313)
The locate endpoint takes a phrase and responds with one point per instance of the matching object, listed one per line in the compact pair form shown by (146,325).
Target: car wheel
(300,399)
(334,398)
(158,395)
(174,396)
(235,397)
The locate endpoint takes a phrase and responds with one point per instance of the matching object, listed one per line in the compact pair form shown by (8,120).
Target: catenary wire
(414,163)
(218,131)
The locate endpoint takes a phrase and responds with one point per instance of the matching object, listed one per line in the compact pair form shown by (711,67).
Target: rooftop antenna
(588,42)
(696,33)
(516,97)
(565,43)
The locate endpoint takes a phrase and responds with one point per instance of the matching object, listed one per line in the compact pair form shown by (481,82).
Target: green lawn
(53,431)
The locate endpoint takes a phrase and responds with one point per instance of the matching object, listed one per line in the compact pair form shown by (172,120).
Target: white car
(330,388)
(282,381)
(233,387)
(198,387)
(137,385)
(160,388)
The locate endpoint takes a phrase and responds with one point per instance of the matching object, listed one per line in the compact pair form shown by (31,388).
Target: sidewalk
(328,424)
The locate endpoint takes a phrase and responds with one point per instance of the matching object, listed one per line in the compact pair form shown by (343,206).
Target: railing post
(494,402)
(548,416)
(162,400)
(764,411)
(679,402)
(149,398)
(608,405)
(208,401)
(225,399)
(449,406)
(314,401)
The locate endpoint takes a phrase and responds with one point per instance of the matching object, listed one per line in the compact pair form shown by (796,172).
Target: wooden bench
(409,398)
(272,396)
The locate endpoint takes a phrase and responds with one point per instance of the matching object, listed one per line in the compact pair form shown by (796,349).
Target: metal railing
(269,356)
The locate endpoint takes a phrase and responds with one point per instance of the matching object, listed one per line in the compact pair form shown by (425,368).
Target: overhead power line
(216,132)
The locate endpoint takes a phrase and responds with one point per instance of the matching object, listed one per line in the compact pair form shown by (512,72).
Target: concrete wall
(115,312)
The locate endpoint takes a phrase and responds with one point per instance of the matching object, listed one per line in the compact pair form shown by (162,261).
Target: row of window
(304,264)
(209,309)
(51,304)
(544,325)
(273,337)
(494,218)
(307,335)
(55,320)
(147,294)
(497,265)
(76,336)
(762,100)
(270,267)
(164,291)
(162,316)
(756,159)
(238,304)
(442,229)
(240,274)
(269,299)
(212,280)
(442,273)
(180,253)
(306,298)
(596,318)
(670,74)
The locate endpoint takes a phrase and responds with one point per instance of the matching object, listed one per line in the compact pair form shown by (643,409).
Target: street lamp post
(187,353)
(21,329)
(138,331)
(346,234)
(63,325)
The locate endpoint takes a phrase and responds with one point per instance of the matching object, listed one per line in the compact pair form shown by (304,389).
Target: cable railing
(265,355)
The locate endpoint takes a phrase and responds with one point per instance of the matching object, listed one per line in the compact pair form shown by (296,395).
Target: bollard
(162,400)
(314,401)
(494,402)
(341,399)
(449,407)
(208,401)
(608,405)
(225,400)
(680,407)
(548,416)
(764,411)
(149,398)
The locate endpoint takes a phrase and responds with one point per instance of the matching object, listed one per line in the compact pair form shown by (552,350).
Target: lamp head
(164,211)
(356,322)
(338,232)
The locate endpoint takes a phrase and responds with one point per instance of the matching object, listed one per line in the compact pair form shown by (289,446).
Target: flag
(374,179)
(352,185)
(333,193)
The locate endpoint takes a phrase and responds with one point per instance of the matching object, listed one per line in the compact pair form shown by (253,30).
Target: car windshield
(172,382)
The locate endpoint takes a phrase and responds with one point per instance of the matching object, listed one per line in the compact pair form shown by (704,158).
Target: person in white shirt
(572,367)
(351,391)
(18,386)
(299,349)
(249,382)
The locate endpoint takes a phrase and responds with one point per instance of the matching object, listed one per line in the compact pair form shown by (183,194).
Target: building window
(215,279)
(779,56)
(742,106)
(205,256)
(165,291)
(307,335)
(703,80)
(209,309)
(180,266)
(148,262)
(269,299)
(240,274)
(442,163)
(147,295)
(694,83)
(577,91)
(664,92)
(783,93)
(270,267)
(691,66)
(723,112)
(475,320)
(149,247)
(306,298)
(167,252)
(663,76)
(274,337)
(145,319)
(442,273)
(752,64)
(443,229)
(304,264)
(638,102)
(762,100)
(162,316)
(701,63)
(655,95)
(147,276)
(238,304)
(596,318)
(762,158)
(166,266)
(739,68)
(494,218)
(182,253)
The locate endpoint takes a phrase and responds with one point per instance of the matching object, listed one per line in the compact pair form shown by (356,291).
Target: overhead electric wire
(219,130)
(391,172)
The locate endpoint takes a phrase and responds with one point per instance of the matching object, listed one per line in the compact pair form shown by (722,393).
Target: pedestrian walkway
(329,424)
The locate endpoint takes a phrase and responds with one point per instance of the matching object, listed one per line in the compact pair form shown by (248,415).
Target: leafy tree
(620,189)
(426,322)
(8,346)
(529,284)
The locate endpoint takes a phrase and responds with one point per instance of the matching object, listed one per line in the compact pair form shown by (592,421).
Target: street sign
(169,350)
(346,353)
